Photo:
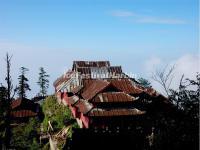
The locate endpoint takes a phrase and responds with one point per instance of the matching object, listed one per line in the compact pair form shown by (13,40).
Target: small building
(23,109)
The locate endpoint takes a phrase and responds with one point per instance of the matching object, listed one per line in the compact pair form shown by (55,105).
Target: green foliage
(55,113)
(144,82)
(35,145)
(23,83)
(186,97)
(25,136)
(43,81)
(59,116)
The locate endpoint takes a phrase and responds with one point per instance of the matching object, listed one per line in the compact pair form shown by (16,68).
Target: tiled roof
(19,101)
(23,113)
(24,108)
(123,85)
(87,83)
(115,112)
(63,78)
(77,64)
(76,89)
(73,99)
(100,72)
(16,103)
(115,69)
(83,106)
(113,97)
(126,86)
(94,88)
(85,71)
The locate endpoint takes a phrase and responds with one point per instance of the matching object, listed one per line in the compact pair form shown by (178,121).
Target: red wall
(65,98)
(85,121)
(74,111)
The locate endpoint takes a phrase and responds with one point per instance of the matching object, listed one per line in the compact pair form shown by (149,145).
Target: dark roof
(110,69)
(115,69)
(87,83)
(73,99)
(23,113)
(77,64)
(76,89)
(115,112)
(24,108)
(126,86)
(85,71)
(83,106)
(19,101)
(113,97)
(94,88)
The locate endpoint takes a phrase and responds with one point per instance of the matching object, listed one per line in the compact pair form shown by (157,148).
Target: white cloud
(152,64)
(187,64)
(140,18)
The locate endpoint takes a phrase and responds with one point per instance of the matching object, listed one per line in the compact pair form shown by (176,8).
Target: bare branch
(164,77)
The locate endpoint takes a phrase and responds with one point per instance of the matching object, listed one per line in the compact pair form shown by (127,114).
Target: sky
(140,35)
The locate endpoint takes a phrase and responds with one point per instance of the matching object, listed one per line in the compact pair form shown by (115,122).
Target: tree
(144,82)
(164,77)
(23,83)
(26,136)
(179,129)
(9,96)
(6,95)
(43,81)
(186,97)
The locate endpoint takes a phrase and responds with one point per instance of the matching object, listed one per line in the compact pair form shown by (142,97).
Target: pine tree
(43,81)
(144,82)
(23,83)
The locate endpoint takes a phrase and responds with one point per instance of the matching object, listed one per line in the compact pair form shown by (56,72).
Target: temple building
(103,96)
